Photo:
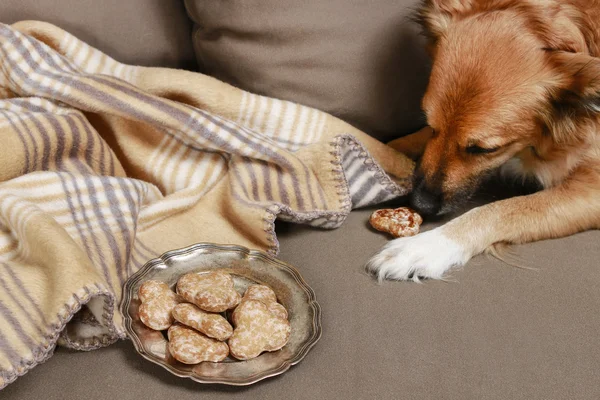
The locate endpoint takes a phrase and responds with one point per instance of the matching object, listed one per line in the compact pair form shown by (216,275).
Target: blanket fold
(104,166)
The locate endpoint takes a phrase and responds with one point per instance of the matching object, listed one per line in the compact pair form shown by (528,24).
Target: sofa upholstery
(361,61)
(139,32)
(498,332)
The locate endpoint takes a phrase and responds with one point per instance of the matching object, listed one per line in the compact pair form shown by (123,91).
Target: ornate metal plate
(246,267)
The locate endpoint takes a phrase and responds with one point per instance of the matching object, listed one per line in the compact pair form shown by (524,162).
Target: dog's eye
(481,150)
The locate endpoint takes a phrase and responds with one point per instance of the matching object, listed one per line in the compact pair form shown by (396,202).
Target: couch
(494,332)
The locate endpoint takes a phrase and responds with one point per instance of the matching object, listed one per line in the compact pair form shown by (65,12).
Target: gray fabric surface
(362,61)
(498,333)
(139,32)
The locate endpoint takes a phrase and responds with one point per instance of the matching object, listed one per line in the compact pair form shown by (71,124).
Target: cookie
(158,300)
(212,325)
(189,346)
(257,330)
(399,222)
(211,291)
(266,295)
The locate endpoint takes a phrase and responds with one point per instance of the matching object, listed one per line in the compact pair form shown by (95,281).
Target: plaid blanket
(104,166)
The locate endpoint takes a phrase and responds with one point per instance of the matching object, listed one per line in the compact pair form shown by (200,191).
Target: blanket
(104,166)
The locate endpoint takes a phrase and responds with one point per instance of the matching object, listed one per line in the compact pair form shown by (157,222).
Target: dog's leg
(412,145)
(571,207)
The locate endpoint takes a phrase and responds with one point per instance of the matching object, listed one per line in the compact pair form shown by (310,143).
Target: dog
(514,88)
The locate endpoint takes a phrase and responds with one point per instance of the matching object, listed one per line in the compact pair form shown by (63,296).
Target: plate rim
(317,328)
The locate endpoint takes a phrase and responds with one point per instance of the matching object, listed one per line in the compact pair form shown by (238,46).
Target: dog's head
(507,76)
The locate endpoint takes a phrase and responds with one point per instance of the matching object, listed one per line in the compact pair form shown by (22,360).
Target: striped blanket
(104,166)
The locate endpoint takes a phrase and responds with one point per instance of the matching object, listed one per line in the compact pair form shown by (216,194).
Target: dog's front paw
(427,255)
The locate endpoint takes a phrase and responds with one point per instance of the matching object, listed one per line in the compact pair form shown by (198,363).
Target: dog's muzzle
(424,199)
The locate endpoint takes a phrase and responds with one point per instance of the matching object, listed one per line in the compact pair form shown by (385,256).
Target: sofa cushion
(141,32)
(360,61)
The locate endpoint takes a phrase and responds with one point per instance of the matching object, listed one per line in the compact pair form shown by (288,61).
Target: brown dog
(515,87)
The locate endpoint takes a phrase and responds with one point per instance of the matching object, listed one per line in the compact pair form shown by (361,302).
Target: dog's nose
(425,200)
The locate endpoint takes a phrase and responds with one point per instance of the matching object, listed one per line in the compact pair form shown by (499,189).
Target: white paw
(427,255)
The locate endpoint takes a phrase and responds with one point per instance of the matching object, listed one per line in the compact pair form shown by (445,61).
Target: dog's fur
(514,87)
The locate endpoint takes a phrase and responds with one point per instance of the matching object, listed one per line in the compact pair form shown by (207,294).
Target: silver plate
(247,267)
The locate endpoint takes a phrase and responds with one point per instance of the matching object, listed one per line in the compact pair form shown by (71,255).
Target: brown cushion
(141,32)
(362,61)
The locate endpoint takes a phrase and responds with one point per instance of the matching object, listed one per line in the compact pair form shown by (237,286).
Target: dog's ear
(578,79)
(574,94)
(560,26)
(557,24)
(435,16)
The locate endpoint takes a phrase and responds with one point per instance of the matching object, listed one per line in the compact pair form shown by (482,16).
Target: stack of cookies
(194,317)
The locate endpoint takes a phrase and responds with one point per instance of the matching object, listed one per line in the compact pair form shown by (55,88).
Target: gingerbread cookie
(400,222)
(211,291)
(257,330)
(212,325)
(158,300)
(189,346)
(266,295)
